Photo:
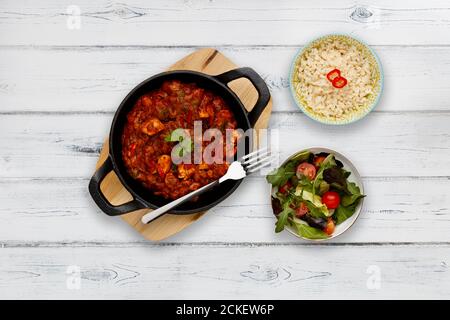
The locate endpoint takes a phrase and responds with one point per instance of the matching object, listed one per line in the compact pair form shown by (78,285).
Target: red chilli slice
(339,82)
(333,74)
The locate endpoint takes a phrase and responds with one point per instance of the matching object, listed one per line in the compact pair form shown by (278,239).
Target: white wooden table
(59,88)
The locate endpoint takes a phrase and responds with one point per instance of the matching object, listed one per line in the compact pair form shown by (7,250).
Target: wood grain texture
(412,210)
(209,61)
(203,22)
(97,78)
(60,87)
(226,272)
(60,145)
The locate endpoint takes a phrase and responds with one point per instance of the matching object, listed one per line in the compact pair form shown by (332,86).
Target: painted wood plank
(178,22)
(383,144)
(232,252)
(226,272)
(396,210)
(91,79)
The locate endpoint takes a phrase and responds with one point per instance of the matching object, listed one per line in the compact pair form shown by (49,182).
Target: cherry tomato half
(333,74)
(285,187)
(301,210)
(329,229)
(331,199)
(339,82)
(306,169)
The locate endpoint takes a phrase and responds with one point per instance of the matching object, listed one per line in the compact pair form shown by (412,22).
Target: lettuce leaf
(309,232)
(314,203)
(283,218)
(354,194)
(281,175)
(327,163)
(343,213)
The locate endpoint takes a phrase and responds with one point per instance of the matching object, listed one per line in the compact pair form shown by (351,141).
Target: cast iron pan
(144,198)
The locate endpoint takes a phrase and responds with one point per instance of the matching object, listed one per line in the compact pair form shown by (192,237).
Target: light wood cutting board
(209,61)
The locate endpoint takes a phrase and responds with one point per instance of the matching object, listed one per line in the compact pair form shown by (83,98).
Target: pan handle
(258,83)
(99,197)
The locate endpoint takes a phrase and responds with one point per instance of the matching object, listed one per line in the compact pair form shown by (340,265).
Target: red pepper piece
(161,173)
(333,74)
(339,82)
(132,149)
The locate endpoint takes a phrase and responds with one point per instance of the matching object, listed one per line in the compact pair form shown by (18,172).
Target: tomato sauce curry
(146,145)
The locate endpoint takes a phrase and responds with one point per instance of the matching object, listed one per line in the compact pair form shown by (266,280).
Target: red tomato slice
(302,210)
(333,74)
(306,169)
(339,82)
(331,199)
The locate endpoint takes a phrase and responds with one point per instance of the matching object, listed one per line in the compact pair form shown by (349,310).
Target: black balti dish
(142,198)
(337,174)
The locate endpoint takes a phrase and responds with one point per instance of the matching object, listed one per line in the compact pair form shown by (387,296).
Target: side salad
(311,194)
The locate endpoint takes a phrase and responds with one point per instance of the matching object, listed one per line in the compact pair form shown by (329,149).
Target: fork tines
(257,160)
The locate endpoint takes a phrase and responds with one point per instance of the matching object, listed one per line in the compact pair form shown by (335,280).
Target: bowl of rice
(336,79)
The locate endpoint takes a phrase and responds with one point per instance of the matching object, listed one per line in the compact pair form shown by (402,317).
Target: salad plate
(317,194)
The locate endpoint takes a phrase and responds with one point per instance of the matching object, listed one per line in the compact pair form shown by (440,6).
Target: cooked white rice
(356,63)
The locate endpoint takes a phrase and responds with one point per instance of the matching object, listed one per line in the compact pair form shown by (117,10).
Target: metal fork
(239,169)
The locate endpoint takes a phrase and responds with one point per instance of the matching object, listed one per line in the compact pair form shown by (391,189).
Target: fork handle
(149,217)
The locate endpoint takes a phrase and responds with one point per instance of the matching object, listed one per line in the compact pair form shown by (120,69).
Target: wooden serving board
(209,61)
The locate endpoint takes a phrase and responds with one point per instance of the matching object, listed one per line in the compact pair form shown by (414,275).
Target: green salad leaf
(323,187)
(283,218)
(304,182)
(343,213)
(327,163)
(313,202)
(349,202)
(309,232)
(281,175)
(354,194)
(317,212)
(301,157)
(346,173)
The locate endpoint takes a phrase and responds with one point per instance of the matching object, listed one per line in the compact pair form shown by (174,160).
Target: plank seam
(44,244)
(100,112)
(6,179)
(218,46)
